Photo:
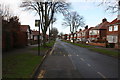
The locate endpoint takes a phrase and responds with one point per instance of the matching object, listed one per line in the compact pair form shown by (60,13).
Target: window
(112,39)
(116,28)
(90,32)
(110,28)
(95,32)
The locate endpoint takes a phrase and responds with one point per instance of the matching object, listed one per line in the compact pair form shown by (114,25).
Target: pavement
(26,49)
(69,61)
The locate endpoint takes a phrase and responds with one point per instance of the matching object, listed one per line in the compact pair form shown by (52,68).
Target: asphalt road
(70,61)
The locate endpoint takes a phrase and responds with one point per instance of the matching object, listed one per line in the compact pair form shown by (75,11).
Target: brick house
(93,34)
(68,36)
(79,34)
(113,33)
(26,29)
(84,34)
(100,31)
(65,36)
(12,38)
(34,35)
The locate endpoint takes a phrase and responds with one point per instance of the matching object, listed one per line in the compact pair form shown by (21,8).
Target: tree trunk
(73,37)
(44,39)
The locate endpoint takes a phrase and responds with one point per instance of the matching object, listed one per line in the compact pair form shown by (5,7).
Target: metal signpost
(37,24)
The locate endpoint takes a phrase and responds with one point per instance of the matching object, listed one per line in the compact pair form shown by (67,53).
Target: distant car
(71,41)
(88,41)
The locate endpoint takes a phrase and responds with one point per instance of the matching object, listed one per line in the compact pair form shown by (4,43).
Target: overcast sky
(89,9)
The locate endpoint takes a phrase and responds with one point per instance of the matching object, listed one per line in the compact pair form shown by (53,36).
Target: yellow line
(52,50)
(41,75)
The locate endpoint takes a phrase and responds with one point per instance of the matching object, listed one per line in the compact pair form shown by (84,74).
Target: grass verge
(49,45)
(20,65)
(99,50)
(105,51)
(78,44)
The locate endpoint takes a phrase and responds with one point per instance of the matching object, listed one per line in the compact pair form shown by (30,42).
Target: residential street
(70,61)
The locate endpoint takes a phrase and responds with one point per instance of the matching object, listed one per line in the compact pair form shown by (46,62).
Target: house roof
(65,34)
(115,21)
(101,26)
(79,31)
(24,28)
(91,28)
(35,32)
(85,30)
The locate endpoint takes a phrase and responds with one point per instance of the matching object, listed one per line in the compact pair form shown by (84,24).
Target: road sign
(37,23)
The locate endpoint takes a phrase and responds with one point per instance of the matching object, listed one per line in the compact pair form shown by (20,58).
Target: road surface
(70,61)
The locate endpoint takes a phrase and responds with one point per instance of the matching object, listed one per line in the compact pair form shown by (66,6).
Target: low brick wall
(117,46)
(98,44)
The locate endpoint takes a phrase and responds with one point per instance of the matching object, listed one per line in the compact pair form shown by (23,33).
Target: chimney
(80,29)
(118,10)
(86,27)
(104,20)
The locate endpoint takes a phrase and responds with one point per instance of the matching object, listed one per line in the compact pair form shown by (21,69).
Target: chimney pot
(80,29)
(104,20)
(86,27)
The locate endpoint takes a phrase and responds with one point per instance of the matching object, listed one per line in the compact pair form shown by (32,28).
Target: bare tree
(60,35)
(46,10)
(5,11)
(51,26)
(73,20)
(53,33)
(111,5)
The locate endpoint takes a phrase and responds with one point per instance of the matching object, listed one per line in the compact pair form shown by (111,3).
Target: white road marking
(77,55)
(82,59)
(72,63)
(101,74)
(64,55)
(68,54)
(89,65)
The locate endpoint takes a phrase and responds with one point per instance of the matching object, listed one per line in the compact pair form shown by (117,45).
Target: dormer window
(116,28)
